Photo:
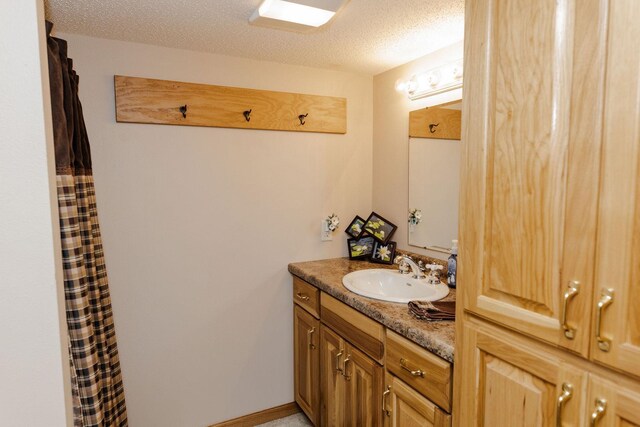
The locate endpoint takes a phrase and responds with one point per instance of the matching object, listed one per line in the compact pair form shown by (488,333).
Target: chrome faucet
(405,262)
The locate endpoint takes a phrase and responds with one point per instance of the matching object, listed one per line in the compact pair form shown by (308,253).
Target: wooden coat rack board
(438,123)
(140,100)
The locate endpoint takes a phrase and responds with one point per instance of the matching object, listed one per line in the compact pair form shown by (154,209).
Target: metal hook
(183,110)
(432,127)
(247,115)
(301,117)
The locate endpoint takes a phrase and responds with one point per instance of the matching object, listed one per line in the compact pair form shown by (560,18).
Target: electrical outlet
(325,233)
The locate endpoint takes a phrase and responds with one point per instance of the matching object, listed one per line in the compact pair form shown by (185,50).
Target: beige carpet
(297,420)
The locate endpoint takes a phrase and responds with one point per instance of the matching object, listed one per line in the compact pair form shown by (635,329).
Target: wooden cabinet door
(611,404)
(306,362)
(618,253)
(506,381)
(364,379)
(405,407)
(333,384)
(531,157)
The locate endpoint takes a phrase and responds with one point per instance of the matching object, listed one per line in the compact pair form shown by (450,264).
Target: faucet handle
(434,268)
(432,277)
(421,265)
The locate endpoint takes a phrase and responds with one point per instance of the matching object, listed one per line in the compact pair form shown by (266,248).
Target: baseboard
(262,416)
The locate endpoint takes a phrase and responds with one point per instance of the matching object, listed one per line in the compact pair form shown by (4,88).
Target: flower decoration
(333,221)
(415,216)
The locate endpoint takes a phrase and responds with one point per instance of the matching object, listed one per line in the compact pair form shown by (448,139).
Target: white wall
(200,223)
(391,139)
(34,364)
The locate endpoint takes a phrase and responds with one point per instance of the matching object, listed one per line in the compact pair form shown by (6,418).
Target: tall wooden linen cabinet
(548,330)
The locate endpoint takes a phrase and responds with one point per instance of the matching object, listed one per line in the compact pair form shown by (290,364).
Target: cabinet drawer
(306,296)
(422,370)
(355,327)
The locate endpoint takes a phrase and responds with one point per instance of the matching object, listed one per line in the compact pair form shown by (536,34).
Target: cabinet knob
(414,372)
(302,296)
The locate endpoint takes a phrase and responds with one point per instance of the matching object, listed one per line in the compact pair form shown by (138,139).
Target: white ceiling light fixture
(295,15)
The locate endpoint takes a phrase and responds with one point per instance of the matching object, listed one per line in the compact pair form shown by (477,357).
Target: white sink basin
(390,285)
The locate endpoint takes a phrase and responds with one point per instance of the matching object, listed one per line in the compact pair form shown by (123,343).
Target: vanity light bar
(437,80)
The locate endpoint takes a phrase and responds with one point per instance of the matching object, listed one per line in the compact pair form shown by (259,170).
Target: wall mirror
(434,176)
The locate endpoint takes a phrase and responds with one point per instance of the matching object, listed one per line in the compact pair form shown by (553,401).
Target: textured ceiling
(367,36)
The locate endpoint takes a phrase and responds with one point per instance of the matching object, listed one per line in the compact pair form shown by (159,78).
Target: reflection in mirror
(434,176)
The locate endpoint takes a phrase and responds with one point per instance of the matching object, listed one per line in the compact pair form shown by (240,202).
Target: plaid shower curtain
(96,380)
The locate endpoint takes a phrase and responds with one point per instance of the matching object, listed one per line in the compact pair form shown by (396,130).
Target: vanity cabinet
(340,360)
(550,209)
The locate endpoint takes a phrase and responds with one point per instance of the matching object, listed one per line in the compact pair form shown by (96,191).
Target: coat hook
(432,127)
(247,115)
(183,110)
(301,117)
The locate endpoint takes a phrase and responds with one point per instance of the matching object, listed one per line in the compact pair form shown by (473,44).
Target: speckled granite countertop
(326,275)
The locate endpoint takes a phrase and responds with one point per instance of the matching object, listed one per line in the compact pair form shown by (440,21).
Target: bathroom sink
(390,285)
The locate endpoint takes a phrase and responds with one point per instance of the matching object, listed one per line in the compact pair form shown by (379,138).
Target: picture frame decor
(380,228)
(354,229)
(360,248)
(383,253)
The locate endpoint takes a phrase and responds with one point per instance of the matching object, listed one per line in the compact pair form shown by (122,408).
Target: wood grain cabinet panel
(306,296)
(333,384)
(405,407)
(360,330)
(512,384)
(422,370)
(618,254)
(364,389)
(613,404)
(531,162)
(351,388)
(306,340)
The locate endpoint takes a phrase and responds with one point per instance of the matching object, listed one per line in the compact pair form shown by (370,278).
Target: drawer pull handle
(310,338)
(414,372)
(567,393)
(606,298)
(601,408)
(386,411)
(344,367)
(572,291)
(338,355)
(302,296)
